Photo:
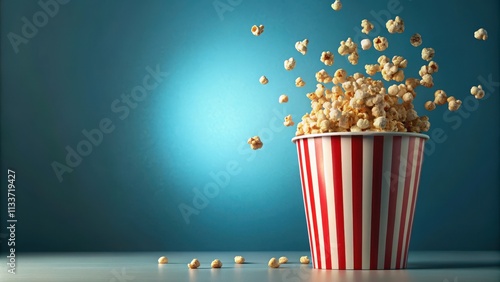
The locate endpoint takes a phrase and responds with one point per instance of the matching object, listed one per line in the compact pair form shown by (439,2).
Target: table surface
(142,266)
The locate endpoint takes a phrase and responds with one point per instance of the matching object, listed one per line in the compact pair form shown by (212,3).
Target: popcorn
(372,69)
(283,260)
(263,80)
(366,44)
(194,264)
(289,64)
(323,77)
(337,5)
(216,263)
(255,143)
(380,43)
(427,54)
(273,263)
(430,105)
(427,81)
(239,259)
(163,260)
(299,82)
(327,58)
(416,40)
(288,121)
(304,260)
(477,91)
(257,30)
(440,97)
(350,48)
(367,26)
(481,34)
(453,104)
(339,76)
(283,99)
(301,46)
(380,122)
(395,26)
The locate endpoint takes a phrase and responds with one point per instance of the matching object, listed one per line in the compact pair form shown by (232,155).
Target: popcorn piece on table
(327,58)
(263,80)
(367,26)
(289,64)
(283,98)
(453,104)
(477,91)
(380,43)
(163,260)
(366,44)
(430,105)
(239,259)
(283,260)
(428,54)
(288,121)
(304,260)
(273,263)
(194,264)
(301,46)
(216,263)
(337,5)
(257,30)
(416,40)
(299,82)
(481,34)
(255,143)
(395,26)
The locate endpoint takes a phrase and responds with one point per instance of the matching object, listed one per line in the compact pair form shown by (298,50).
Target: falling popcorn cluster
(358,102)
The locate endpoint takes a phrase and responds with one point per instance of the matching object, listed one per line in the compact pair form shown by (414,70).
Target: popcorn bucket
(359,194)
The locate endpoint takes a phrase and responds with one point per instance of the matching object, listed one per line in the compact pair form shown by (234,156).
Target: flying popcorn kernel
(380,43)
(366,44)
(395,26)
(304,260)
(263,80)
(440,97)
(477,91)
(481,34)
(194,264)
(255,143)
(283,99)
(453,104)
(273,263)
(327,58)
(283,260)
(430,105)
(288,121)
(367,26)
(239,259)
(416,40)
(257,30)
(299,82)
(427,81)
(289,64)
(428,54)
(216,263)
(163,260)
(337,5)
(301,46)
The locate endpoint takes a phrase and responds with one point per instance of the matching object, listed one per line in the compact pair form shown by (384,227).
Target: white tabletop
(142,266)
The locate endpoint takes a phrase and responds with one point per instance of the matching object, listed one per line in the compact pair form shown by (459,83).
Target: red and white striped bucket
(359,194)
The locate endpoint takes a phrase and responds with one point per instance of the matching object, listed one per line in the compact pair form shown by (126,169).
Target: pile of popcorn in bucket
(357,102)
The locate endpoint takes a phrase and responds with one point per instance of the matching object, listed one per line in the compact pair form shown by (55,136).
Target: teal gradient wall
(199,66)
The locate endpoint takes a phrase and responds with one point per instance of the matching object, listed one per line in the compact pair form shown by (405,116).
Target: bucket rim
(364,133)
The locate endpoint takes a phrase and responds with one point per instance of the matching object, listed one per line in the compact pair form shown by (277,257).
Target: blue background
(125,195)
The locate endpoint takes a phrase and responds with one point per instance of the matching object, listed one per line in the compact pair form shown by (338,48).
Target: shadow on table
(452,265)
